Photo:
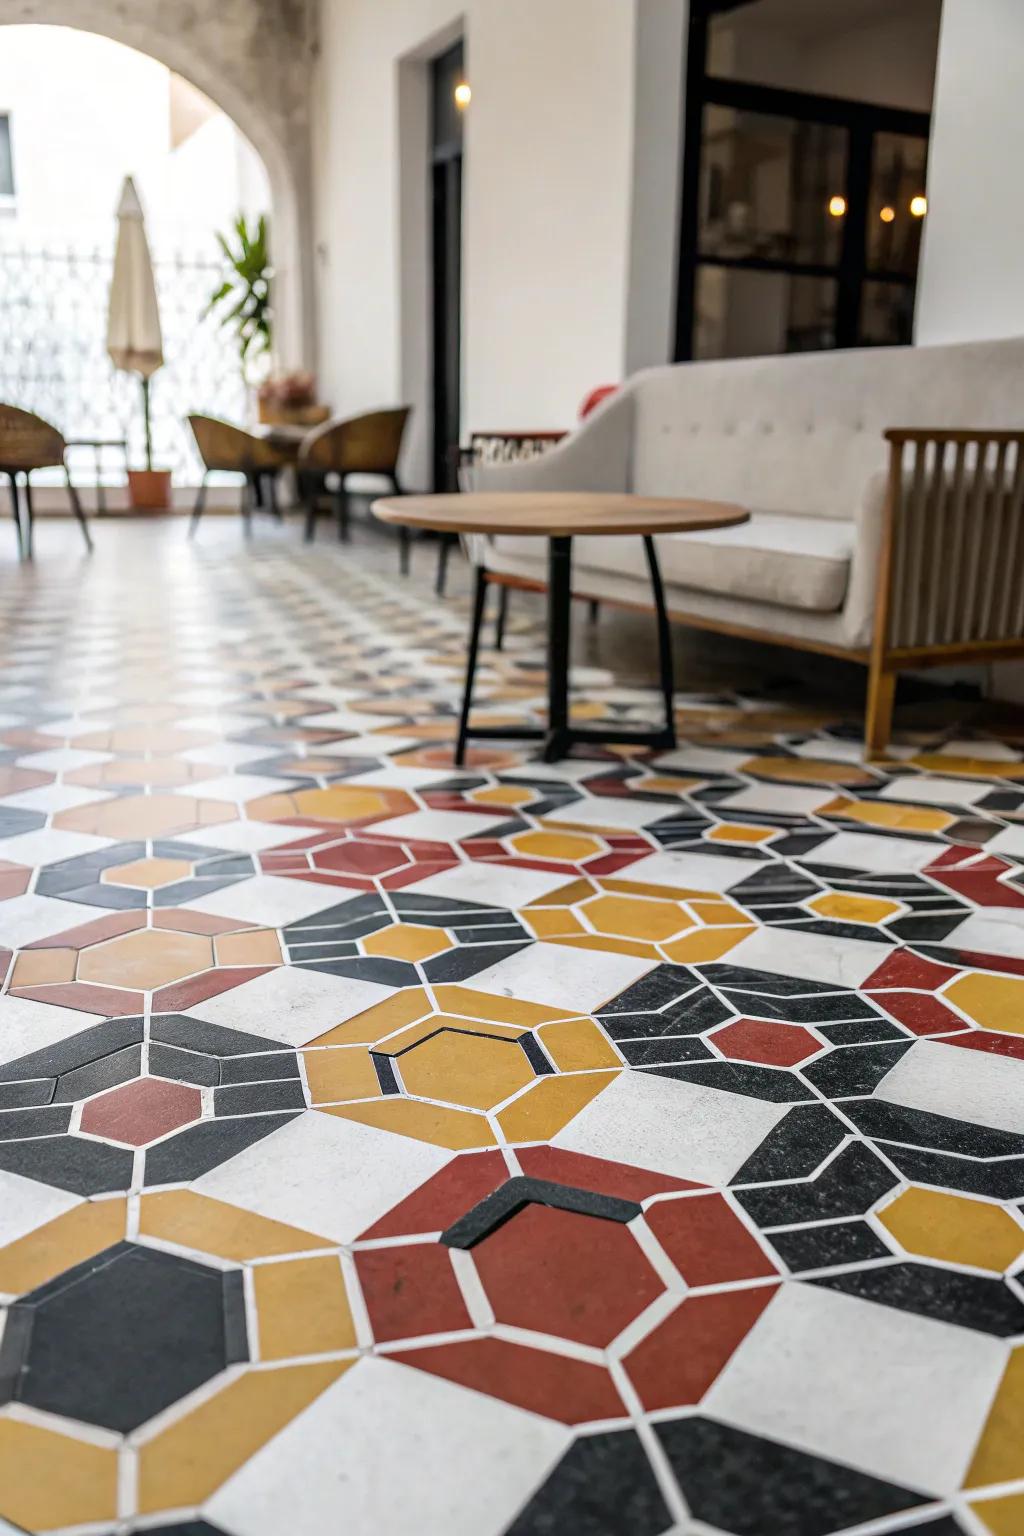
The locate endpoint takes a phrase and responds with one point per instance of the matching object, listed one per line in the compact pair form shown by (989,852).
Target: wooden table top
(557,514)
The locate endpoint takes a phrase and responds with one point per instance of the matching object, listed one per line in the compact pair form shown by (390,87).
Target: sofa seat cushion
(794,562)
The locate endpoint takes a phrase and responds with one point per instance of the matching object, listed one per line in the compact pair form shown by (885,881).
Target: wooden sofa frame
(950,568)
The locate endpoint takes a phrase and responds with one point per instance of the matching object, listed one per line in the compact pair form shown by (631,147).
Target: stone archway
(254,59)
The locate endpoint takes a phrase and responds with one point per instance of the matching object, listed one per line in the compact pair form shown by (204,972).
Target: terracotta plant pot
(149,490)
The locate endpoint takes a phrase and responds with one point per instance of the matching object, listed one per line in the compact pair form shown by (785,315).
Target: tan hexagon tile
(145,816)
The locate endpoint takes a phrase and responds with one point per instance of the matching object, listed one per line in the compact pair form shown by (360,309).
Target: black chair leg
(79,511)
(29,529)
(308,491)
(594,610)
(272,501)
(499,623)
(479,603)
(16,514)
(404,541)
(197,510)
(247,501)
(444,550)
(341,512)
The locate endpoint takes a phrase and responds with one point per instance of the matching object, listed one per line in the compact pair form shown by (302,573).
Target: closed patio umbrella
(134,341)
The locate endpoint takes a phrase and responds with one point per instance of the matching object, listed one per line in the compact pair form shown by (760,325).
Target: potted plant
(289,400)
(242,298)
(134,339)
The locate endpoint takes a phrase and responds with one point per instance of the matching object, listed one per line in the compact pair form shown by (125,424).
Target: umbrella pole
(146,421)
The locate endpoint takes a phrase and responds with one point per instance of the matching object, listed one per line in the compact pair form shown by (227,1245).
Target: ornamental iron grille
(53,357)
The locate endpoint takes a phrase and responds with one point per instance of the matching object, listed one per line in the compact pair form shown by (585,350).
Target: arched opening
(80,109)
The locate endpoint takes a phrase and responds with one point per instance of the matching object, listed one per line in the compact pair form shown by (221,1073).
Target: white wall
(547,204)
(972,278)
(85,112)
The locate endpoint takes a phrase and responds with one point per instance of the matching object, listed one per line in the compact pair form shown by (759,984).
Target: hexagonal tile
(145,816)
(407,941)
(465,1062)
(348,805)
(147,874)
(561,847)
(142,1111)
(148,958)
(845,908)
(954,1229)
(113,1343)
(774,1044)
(993,1002)
(107,965)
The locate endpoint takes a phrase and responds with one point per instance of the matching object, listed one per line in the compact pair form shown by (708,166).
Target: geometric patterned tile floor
(622,1147)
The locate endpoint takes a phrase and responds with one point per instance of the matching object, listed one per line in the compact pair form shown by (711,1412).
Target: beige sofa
(904,553)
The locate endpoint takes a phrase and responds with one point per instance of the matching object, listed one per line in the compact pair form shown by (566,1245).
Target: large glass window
(802,215)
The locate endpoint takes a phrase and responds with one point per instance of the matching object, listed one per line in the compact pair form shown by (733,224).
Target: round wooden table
(559,516)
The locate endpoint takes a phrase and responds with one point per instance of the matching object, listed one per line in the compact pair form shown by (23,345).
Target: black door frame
(446,270)
(861,120)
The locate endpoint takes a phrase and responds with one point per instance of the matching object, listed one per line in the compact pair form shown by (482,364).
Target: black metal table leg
(668,686)
(29,533)
(559,736)
(16,514)
(479,599)
(558,739)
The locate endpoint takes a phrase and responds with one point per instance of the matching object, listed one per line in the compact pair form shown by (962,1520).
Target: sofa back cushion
(803,434)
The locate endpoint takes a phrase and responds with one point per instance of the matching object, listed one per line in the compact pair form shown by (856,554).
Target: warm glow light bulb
(919,206)
(837,206)
(463,94)
(887,214)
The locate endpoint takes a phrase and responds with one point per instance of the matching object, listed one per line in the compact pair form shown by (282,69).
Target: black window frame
(861,121)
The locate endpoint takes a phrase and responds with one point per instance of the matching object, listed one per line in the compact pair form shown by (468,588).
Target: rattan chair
(228,449)
(363,445)
(27,442)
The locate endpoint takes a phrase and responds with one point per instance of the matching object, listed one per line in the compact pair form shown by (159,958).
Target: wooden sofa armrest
(951,567)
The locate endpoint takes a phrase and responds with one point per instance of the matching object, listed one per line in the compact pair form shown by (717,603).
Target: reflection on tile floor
(615,1148)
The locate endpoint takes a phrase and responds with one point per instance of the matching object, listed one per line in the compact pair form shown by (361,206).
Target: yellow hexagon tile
(636,917)
(472,1071)
(994,1002)
(407,941)
(560,847)
(954,1228)
(738,832)
(49,1480)
(845,908)
(503,794)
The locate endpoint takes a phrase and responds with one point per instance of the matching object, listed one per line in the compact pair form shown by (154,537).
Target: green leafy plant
(242,299)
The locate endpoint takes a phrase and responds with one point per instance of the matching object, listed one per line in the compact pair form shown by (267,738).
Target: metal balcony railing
(53,356)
